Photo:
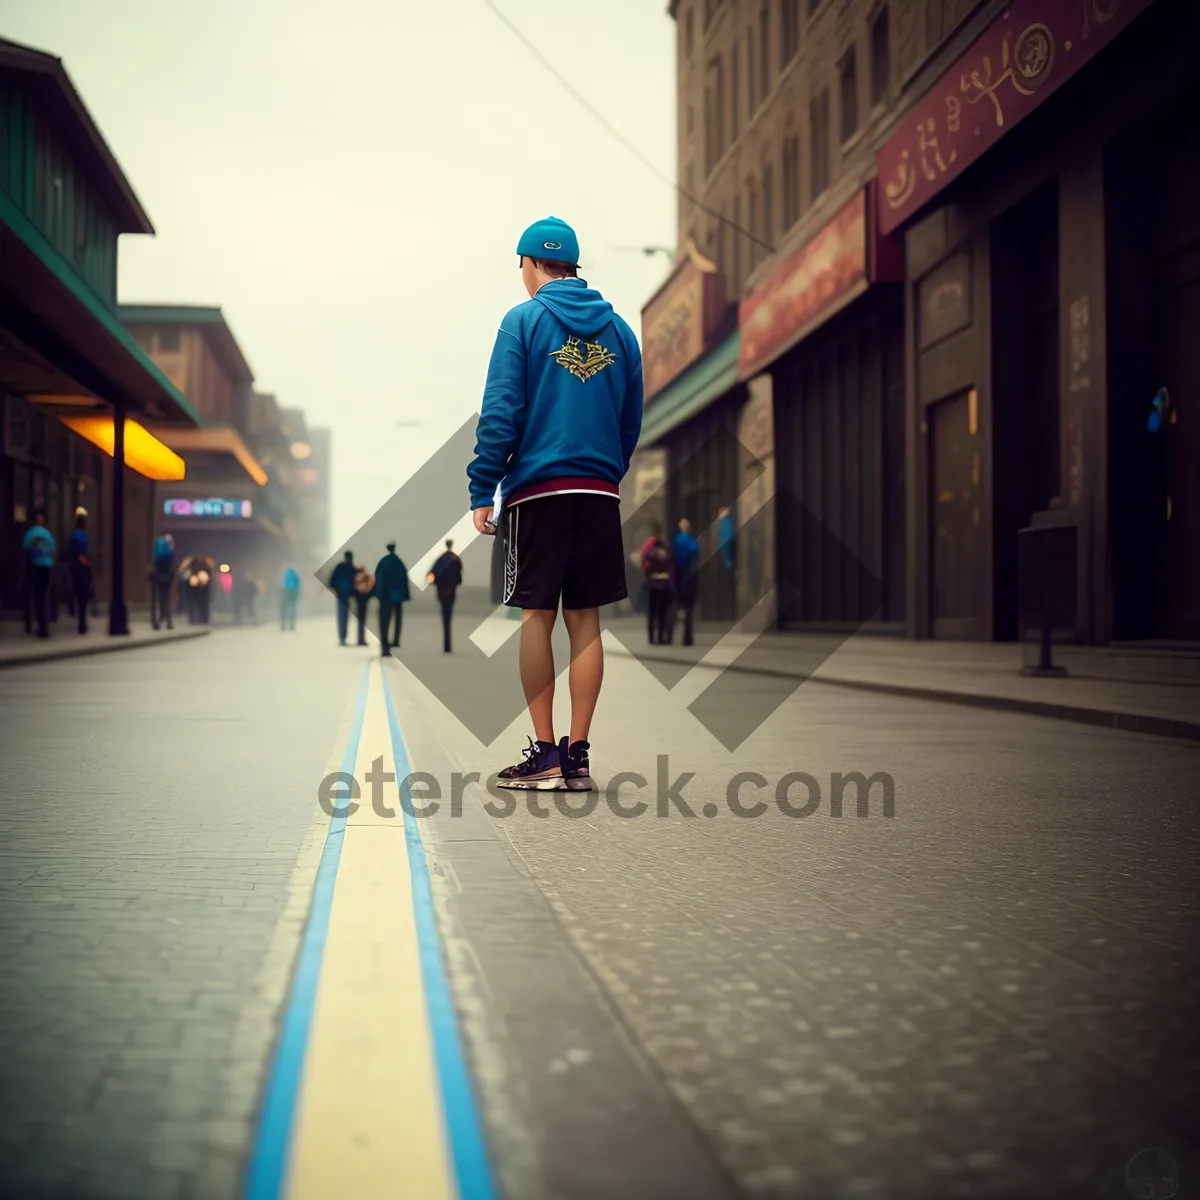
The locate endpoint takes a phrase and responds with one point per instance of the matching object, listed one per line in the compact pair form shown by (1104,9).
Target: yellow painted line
(369,1118)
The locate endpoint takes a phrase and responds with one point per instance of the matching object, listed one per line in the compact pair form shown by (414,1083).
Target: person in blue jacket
(290,598)
(164,567)
(41,551)
(79,567)
(391,586)
(342,583)
(562,412)
(687,575)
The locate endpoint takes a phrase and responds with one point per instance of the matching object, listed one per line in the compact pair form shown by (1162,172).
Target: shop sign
(802,291)
(224,509)
(679,320)
(1026,53)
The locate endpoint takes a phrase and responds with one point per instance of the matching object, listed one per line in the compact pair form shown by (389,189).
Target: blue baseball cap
(551,240)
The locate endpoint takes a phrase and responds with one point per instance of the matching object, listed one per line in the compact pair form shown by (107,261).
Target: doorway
(955,489)
(1025,386)
(1152,177)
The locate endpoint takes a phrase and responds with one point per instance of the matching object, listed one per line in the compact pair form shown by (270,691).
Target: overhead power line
(616,133)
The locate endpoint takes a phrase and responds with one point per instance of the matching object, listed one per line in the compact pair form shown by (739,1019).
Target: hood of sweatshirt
(580,308)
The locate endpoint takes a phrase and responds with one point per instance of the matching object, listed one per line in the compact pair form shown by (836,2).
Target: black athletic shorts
(564,548)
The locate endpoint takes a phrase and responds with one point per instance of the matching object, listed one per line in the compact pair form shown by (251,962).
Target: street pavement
(989,993)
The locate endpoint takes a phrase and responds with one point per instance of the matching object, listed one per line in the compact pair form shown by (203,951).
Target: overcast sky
(347,179)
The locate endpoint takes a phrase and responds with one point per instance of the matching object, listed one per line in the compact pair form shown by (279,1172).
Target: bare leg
(537,669)
(587,667)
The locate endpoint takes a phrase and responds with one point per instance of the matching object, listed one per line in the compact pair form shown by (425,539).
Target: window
(753,206)
(764,54)
(791,180)
(881,58)
(168,340)
(737,243)
(751,100)
(687,33)
(768,204)
(818,139)
(735,99)
(849,75)
(789,31)
(714,116)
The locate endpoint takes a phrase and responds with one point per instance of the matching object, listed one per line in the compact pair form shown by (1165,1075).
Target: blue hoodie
(563,395)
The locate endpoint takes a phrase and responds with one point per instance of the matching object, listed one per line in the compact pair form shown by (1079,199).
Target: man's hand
(483,517)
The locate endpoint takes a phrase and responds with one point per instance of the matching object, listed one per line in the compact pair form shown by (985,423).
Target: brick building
(922,213)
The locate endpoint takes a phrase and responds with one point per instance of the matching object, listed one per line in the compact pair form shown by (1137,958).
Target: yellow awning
(144,453)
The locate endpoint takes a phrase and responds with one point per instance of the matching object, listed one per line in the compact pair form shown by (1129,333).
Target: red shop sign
(1026,54)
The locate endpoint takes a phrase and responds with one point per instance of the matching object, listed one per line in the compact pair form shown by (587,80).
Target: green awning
(98,337)
(707,379)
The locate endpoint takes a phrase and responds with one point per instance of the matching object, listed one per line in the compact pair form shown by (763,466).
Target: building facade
(77,395)
(956,237)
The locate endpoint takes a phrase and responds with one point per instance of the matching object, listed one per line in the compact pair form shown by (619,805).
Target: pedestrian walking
(41,550)
(391,586)
(163,570)
(686,551)
(446,576)
(657,567)
(562,412)
(364,589)
(80,569)
(342,583)
(291,598)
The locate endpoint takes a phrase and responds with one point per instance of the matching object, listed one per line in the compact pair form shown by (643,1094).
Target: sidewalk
(1134,690)
(18,648)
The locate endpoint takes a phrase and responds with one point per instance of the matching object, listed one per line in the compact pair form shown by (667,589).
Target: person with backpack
(391,586)
(657,566)
(446,576)
(163,570)
(561,416)
(291,598)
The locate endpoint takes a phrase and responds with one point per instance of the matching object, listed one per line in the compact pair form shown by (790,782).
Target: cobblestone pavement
(991,993)
(160,825)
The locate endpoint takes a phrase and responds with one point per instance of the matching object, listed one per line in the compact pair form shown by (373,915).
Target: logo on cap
(551,246)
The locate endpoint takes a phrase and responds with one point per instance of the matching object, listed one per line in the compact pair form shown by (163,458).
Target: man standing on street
(686,551)
(446,575)
(342,583)
(291,598)
(391,586)
(41,550)
(163,567)
(562,412)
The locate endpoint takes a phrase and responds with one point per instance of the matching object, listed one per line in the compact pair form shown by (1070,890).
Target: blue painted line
(265,1176)
(472,1167)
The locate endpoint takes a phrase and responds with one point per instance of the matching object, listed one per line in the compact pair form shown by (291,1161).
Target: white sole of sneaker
(549,783)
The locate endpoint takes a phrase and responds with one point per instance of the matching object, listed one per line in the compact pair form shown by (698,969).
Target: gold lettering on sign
(927,144)
(900,188)
(1025,66)
(953,114)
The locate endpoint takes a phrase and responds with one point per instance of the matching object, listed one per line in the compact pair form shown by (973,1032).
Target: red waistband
(565,486)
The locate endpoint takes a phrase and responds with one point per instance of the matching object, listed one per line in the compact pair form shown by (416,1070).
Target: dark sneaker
(574,759)
(540,770)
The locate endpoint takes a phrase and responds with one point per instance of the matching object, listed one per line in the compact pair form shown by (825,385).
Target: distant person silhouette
(391,586)
(342,583)
(40,552)
(446,576)
(291,598)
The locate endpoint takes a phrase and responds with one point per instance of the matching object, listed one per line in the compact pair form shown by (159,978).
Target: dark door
(955,466)
(1181,446)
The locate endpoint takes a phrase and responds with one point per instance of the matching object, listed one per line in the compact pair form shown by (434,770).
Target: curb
(107,646)
(1127,722)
